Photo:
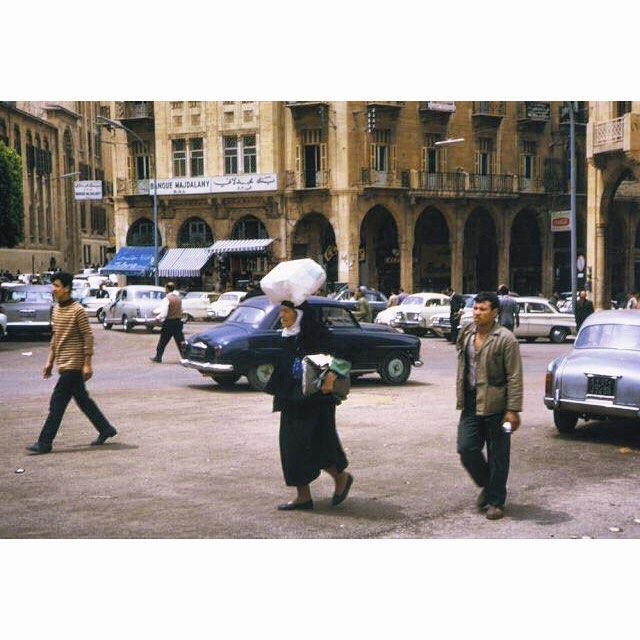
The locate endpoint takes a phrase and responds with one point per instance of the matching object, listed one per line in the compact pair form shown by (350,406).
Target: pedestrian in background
(489,394)
(102,292)
(308,438)
(456,302)
(509,313)
(393,299)
(632,301)
(401,295)
(363,308)
(170,314)
(584,308)
(71,347)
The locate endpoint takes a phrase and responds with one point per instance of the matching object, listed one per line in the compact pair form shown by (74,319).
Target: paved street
(194,460)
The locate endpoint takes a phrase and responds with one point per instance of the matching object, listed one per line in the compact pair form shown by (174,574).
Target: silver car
(600,376)
(134,305)
(28,307)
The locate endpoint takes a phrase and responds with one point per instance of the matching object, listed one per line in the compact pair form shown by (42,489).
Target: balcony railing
(490,109)
(609,133)
(451,182)
(133,187)
(530,185)
(307,179)
(134,110)
(389,179)
(491,183)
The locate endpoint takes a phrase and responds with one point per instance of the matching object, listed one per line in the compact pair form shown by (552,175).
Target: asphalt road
(192,460)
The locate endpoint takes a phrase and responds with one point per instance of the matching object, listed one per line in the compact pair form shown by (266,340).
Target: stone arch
(431,251)
(140,234)
(480,252)
(249,227)
(379,253)
(617,254)
(525,253)
(314,237)
(195,232)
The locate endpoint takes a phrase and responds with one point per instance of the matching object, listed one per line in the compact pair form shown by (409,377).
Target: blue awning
(183,263)
(241,246)
(132,261)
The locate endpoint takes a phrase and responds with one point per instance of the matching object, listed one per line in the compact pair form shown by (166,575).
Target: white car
(538,319)
(96,306)
(195,305)
(3,326)
(225,304)
(414,314)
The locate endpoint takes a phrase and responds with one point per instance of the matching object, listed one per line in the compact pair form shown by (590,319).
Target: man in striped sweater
(71,348)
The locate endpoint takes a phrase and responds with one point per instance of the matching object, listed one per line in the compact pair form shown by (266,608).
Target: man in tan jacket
(489,393)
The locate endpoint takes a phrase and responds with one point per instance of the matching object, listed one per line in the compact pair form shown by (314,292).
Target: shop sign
(560,221)
(87,189)
(215,184)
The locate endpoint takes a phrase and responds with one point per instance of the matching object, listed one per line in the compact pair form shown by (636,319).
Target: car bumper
(29,326)
(593,407)
(206,367)
(145,321)
(408,324)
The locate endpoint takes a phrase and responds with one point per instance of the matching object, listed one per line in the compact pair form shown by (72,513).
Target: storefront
(136,263)
(239,262)
(191,268)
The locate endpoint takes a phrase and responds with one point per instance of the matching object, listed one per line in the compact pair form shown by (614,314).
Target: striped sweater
(72,339)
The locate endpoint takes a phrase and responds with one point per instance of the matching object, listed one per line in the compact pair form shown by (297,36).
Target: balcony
(300,109)
(133,187)
(534,112)
(621,135)
(443,182)
(489,109)
(307,180)
(530,185)
(494,184)
(384,179)
(390,107)
(134,110)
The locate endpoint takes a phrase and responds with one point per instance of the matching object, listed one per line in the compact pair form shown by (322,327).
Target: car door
(348,337)
(114,312)
(521,331)
(538,323)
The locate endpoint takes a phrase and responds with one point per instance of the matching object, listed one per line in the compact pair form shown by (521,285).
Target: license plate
(601,386)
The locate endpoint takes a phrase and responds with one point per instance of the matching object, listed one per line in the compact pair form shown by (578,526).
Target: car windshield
(609,336)
(413,300)
(30,296)
(193,294)
(149,295)
(230,297)
(247,315)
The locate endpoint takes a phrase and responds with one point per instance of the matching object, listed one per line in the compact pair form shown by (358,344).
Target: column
(456,242)
(596,229)
(546,238)
(503,247)
(407,240)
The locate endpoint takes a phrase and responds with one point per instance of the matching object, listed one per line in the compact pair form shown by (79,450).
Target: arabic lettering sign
(87,189)
(561,221)
(216,184)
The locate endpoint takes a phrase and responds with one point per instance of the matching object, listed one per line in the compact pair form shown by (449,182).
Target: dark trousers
(170,329)
(453,337)
(473,432)
(71,385)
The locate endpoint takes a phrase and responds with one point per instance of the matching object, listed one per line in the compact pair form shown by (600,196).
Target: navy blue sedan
(248,342)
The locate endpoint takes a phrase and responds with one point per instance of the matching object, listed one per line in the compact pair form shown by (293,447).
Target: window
(336,317)
(17,144)
(622,108)
(194,104)
(380,150)
(249,228)
(529,159)
(195,232)
(176,105)
(537,307)
(240,146)
(86,253)
(4,134)
(140,158)
(485,157)
(432,156)
(179,153)
(196,155)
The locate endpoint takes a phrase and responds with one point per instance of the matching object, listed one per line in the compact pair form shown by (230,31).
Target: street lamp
(572,198)
(118,125)
(447,142)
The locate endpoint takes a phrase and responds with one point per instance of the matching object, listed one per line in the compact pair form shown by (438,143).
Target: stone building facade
(360,186)
(58,144)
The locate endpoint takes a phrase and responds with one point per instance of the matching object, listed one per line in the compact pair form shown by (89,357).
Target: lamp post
(118,125)
(572,197)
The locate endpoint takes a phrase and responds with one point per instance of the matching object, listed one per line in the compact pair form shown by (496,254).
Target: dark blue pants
(170,329)
(71,385)
(473,432)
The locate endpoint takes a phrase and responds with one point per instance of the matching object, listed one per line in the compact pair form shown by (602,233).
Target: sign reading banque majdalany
(216,184)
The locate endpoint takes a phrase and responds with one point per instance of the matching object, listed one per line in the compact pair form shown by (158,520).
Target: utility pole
(572,195)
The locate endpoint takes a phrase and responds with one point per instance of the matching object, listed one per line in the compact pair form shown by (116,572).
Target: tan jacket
(498,372)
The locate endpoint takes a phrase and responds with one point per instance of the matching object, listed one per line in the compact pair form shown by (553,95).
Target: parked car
(414,314)
(600,376)
(195,305)
(245,345)
(538,319)
(377,300)
(96,306)
(441,322)
(27,307)
(134,305)
(3,326)
(225,304)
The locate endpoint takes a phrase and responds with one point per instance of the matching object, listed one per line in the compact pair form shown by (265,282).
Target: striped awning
(184,263)
(241,246)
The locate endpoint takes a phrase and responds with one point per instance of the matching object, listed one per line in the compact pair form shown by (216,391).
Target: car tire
(565,421)
(395,369)
(558,335)
(126,324)
(150,328)
(187,318)
(100,315)
(226,380)
(106,325)
(259,375)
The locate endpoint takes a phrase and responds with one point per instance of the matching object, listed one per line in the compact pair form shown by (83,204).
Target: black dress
(308,438)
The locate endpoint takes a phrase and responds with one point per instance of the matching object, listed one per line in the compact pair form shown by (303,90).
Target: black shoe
(338,498)
(39,447)
(103,436)
(296,506)
(481,501)
(155,359)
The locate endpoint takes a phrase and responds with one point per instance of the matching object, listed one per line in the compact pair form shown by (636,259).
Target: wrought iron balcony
(307,179)
(614,135)
(133,187)
(134,110)
(489,109)
(385,179)
(534,112)
(495,184)
(453,182)
(530,185)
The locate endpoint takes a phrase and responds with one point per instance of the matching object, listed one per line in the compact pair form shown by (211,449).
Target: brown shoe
(494,513)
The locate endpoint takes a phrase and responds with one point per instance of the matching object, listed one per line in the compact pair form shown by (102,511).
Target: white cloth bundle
(293,280)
